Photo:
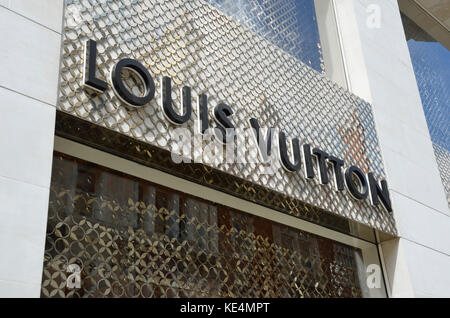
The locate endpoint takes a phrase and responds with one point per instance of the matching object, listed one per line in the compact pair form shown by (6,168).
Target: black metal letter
(377,193)
(264,144)
(221,114)
(284,156)
(322,156)
(90,67)
(186,104)
(337,168)
(121,90)
(359,193)
(203,113)
(307,158)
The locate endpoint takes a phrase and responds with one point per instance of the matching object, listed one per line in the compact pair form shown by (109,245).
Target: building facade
(214,148)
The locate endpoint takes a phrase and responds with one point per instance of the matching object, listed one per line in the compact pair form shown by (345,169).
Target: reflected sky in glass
(291,25)
(431,62)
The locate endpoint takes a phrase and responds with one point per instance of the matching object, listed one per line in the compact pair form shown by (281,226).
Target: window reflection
(133,238)
(289,24)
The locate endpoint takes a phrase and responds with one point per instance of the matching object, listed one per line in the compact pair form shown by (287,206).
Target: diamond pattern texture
(291,25)
(132,238)
(432,69)
(197,45)
(443,161)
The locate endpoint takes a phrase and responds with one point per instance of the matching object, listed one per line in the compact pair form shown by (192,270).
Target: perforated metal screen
(133,238)
(199,46)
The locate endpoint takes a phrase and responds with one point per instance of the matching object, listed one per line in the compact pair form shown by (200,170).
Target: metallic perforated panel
(291,25)
(432,70)
(132,238)
(197,45)
(443,161)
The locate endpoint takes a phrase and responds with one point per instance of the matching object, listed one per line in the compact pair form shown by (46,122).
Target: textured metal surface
(129,148)
(291,25)
(431,62)
(197,45)
(443,161)
(432,69)
(132,238)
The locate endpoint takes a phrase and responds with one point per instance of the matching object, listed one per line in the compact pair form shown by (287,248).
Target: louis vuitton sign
(314,163)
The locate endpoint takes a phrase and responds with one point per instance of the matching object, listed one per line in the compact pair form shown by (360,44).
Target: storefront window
(134,238)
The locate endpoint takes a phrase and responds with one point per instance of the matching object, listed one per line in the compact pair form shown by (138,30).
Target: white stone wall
(30,37)
(378,68)
(375,65)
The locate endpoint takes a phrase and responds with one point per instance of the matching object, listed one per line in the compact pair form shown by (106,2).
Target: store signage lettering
(360,185)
